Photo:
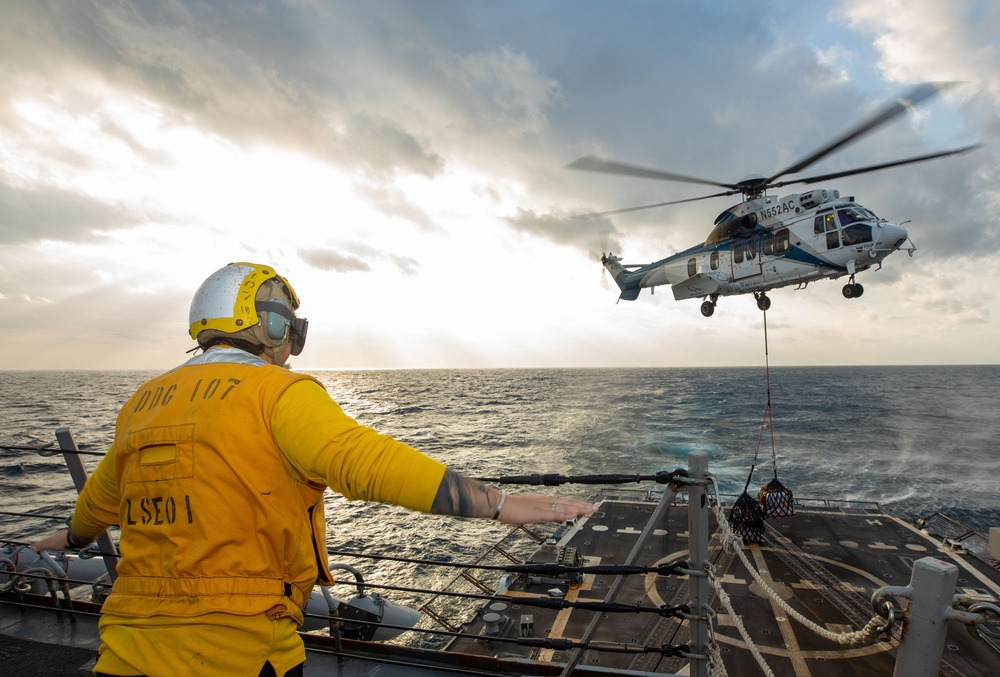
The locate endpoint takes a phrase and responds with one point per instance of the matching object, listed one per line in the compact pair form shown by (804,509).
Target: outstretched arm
(466,497)
(64,539)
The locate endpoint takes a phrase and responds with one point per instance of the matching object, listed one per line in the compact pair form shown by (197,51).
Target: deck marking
(976,595)
(958,558)
(839,653)
(787,633)
(850,587)
(729,578)
(559,625)
(879,545)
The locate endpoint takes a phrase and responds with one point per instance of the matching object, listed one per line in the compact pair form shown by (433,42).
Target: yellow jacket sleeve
(97,505)
(325,445)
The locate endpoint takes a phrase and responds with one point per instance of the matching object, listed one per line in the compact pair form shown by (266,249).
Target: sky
(403,164)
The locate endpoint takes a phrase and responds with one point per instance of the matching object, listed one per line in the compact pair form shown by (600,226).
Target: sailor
(216,477)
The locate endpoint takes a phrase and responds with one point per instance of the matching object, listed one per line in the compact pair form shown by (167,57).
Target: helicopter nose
(893,236)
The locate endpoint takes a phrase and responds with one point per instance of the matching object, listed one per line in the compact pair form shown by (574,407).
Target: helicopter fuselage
(768,242)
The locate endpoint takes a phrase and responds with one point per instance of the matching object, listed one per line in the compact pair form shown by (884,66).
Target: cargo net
(776,500)
(746,519)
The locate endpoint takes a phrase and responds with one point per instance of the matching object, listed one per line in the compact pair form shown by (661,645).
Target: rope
(731,543)
(738,622)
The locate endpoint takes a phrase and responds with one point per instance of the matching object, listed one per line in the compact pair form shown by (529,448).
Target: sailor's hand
(532,508)
(55,541)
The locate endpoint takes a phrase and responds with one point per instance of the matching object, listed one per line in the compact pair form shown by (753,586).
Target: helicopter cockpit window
(692,267)
(824,222)
(714,260)
(767,245)
(738,253)
(832,239)
(751,250)
(850,215)
(859,233)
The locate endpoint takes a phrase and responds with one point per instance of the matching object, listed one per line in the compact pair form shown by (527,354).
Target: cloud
(392,201)
(333,260)
(927,40)
(500,91)
(595,236)
(355,258)
(391,139)
(44,212)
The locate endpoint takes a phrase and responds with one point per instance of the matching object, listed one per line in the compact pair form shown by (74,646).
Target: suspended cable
(543,602)
(677,568)
(774,498)
(48,449)
(553,479)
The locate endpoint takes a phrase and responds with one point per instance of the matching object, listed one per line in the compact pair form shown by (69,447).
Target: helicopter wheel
(853,291)
(763,302)
(707,309)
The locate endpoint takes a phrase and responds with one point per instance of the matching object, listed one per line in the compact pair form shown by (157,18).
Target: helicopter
(766,242)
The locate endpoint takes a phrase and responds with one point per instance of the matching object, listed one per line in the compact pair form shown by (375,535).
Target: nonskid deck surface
(825,562)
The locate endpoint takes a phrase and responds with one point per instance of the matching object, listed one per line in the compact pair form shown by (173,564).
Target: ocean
(914,439)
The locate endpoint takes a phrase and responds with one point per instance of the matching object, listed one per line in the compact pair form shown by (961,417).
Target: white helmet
(240,297)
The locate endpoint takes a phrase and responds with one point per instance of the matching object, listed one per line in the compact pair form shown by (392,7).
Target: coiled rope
(732,545)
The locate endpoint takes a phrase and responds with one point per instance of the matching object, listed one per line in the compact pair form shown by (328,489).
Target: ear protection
(275,323)
(280,324)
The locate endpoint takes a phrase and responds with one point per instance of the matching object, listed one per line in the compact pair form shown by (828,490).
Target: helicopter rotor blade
(874,168)
(909,100)
(590,163)
(592,215)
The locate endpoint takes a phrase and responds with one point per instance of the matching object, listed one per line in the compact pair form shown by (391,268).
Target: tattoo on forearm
(462,496)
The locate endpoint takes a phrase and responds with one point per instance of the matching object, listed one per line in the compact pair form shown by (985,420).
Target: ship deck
(825,562)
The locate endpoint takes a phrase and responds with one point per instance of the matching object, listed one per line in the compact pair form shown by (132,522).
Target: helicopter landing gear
(853,290)
(708,307)
(763,301)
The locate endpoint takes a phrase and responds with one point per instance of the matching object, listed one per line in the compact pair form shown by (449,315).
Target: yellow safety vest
(213,518)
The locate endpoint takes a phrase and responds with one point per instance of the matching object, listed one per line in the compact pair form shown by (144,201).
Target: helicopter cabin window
(781,239)
(859,233)
(767,245)
(738,253)
(751,250)
(692,267)
(714,260)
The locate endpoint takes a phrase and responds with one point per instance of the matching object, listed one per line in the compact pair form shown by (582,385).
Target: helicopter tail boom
(621,275)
